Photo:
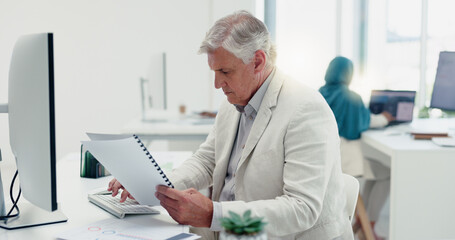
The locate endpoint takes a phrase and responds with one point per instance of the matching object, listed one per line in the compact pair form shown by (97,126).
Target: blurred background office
(102,48)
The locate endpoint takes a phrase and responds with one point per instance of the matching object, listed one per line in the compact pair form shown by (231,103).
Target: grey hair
(241,34)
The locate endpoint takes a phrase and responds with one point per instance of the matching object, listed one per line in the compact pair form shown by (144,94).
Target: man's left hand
(187,207)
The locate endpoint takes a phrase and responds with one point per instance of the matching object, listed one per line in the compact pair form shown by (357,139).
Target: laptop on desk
(398,103)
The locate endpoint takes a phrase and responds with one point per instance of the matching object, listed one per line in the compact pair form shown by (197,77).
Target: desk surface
(171,126)
(421,181)
(165,126)
(72,197)
(398,138)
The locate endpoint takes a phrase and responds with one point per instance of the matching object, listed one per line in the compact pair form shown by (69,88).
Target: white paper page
(102,136)
(126,161)
(113,229)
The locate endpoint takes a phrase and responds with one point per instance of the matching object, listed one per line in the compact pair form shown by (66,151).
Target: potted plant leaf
(244,227)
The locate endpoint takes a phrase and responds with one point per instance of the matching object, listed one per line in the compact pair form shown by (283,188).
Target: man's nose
(219,82)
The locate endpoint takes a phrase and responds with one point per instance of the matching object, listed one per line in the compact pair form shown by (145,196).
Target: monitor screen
(444,85)
(398,103)
(32,121)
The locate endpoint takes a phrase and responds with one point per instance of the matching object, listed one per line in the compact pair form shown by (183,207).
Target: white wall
(101,49)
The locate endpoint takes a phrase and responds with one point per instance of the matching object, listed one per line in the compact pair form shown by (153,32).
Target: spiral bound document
(128,160)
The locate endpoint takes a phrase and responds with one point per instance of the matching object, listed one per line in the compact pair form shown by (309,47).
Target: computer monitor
(31,115)
(400,104)
(443,96)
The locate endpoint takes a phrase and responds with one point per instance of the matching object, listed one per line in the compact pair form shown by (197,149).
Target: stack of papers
(428,134)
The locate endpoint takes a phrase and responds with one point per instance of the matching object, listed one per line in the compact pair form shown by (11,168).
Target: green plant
(424,112)
(245,225)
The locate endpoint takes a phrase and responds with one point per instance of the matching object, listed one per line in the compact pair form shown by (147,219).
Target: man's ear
(259,61)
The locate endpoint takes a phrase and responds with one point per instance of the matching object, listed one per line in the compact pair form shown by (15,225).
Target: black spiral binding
(163,175)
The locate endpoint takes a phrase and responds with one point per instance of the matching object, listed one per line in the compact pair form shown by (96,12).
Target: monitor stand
(2,198)
(31,216)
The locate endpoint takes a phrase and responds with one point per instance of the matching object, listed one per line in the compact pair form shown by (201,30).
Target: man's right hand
(115,186)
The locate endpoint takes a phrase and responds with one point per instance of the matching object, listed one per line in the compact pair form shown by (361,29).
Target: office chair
(362,222)
(356,208)
(351,186)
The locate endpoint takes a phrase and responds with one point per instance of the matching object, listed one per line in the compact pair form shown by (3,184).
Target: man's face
(237,80)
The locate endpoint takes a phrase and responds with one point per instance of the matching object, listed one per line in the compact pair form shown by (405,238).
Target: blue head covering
(351,114)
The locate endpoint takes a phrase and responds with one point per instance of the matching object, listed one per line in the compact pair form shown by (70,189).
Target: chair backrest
(351,186)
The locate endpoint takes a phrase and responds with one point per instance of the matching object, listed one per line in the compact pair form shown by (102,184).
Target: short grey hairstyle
(241,34)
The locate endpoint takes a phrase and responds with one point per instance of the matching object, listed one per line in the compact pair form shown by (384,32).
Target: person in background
(353,118)
(274,148)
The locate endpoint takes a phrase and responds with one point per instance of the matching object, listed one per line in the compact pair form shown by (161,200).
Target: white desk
(72,197)
(170,129)
(422,195)
(177,134)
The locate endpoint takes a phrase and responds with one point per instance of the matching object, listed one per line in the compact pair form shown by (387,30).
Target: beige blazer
(290,169)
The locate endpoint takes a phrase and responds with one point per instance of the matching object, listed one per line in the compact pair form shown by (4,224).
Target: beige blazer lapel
(226,134)
(263,116)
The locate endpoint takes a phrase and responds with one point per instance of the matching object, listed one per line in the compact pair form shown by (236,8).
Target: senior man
(274,148)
